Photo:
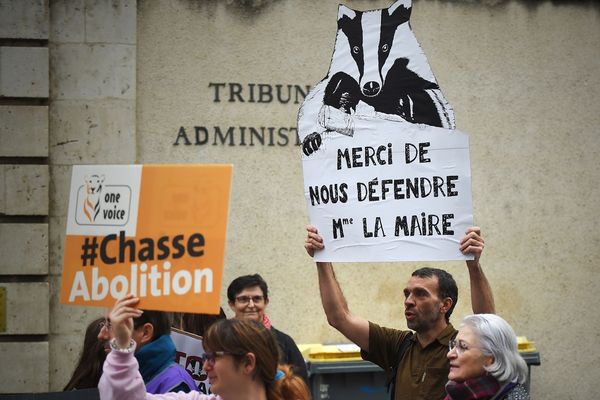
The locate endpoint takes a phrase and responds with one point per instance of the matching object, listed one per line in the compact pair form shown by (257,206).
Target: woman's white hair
(497,339)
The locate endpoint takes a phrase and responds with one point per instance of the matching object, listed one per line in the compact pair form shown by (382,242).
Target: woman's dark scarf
(484,387)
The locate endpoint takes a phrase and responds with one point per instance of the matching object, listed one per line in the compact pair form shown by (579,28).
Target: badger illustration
(377,68)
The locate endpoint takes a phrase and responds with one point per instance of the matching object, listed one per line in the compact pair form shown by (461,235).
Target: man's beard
(424,322)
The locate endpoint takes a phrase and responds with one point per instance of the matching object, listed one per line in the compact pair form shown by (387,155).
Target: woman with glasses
(248,298)
(240,361)
(485,362)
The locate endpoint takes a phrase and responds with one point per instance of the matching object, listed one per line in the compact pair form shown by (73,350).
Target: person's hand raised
(472,243)
(121,318)
(313,240)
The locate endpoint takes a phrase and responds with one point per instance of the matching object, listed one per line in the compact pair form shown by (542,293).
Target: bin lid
(525,345)
(333,352)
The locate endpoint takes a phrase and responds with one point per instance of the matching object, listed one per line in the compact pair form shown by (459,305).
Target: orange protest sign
(157,231)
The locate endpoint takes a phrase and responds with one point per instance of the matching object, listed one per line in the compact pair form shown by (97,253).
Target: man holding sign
(417,360)
(387,178)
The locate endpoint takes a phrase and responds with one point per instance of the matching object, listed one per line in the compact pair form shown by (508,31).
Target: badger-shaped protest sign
(386,175)
(157,231)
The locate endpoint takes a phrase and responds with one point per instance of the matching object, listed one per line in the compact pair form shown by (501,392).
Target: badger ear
(344,11)
(402,7)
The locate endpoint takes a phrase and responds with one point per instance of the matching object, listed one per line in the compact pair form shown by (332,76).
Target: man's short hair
(160,320)
(446,285)
(245,282)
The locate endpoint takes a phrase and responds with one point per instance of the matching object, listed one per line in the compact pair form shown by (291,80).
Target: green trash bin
(346,380)
(531,358)
(363,380)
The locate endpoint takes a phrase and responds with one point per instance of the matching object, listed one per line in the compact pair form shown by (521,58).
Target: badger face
(370,37)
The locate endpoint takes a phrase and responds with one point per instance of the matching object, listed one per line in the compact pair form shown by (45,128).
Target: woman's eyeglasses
(105,324)
(246,299)
(211,356)
(460,346)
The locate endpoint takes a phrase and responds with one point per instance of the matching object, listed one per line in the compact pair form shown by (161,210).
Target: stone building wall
(114,82)
(24,194)
(92,121)
(67,96)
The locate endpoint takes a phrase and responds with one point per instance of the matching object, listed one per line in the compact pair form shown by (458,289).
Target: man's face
(250,303)
(421,303)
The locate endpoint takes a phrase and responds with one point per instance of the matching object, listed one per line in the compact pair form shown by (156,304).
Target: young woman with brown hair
(240,360)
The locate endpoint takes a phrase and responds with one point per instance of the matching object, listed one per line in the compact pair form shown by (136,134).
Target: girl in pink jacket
(240,361)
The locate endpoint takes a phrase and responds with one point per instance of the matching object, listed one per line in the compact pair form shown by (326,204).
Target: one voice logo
(102,205)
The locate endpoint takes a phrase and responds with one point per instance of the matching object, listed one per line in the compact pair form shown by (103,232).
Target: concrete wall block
(67,21)
(67,319)
(27,371)
(110,21)
(24,189)
(57,232)
(60,176)
(24,71)
(24,249)
(81,71)
(24,19)
(23,131)
(92,132)
(65,350)
(26,308)
(2,191)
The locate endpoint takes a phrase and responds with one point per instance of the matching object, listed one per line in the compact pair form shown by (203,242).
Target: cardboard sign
(394,191)
(386,176)
(157,231)
(189,355)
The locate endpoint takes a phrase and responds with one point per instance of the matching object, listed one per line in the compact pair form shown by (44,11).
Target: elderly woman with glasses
(240,361)
(485,362)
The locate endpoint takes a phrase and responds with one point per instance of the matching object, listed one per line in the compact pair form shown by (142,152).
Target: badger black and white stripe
(378,60)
